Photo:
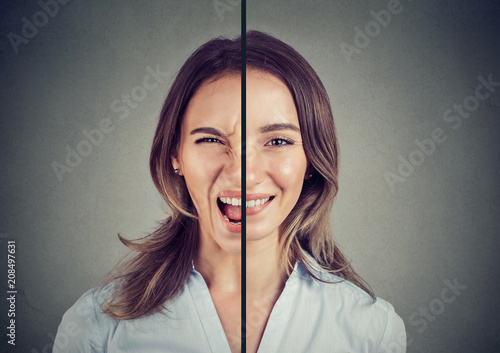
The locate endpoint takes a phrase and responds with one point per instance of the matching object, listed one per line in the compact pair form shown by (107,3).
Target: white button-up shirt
(309,317)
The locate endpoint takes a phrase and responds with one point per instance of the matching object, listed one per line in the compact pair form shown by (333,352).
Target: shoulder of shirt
(95,297)
(356,302)
(327,281)
(85,322)
(331,289)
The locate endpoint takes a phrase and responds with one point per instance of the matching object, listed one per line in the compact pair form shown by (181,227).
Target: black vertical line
(243,177)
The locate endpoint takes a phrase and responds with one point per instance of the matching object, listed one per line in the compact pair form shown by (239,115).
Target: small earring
(176,171)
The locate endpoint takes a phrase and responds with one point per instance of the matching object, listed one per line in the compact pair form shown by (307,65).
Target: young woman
(180,289)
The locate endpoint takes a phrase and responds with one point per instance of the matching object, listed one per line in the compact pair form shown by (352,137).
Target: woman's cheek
(211,164)
(202,162)
(289,170)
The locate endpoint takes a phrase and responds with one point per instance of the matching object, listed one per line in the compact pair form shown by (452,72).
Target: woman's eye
(209,140)
(279,142)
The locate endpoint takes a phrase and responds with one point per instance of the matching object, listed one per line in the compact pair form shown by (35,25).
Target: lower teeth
(227,219)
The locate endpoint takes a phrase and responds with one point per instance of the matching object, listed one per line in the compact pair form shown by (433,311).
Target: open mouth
(230,207)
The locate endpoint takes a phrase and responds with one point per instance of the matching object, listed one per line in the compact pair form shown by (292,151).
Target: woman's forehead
(218,102)
(215,103)
(269,101)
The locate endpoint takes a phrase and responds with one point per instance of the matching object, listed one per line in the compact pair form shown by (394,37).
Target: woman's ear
(309,172)
(176,165)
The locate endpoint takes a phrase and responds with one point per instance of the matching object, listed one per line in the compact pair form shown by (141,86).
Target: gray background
(436,226)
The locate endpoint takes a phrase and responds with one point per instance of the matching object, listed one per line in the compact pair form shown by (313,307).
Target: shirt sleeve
(394,338)
(79,330)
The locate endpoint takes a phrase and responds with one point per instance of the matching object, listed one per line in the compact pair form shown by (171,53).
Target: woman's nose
(232,168)
(255,168)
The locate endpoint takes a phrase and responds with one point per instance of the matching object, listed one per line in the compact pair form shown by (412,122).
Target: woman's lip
(250,211)
(237,194)
(230,193)
(251,197)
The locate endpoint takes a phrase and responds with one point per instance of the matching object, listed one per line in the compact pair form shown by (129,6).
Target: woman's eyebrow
(279,127)
(207,130)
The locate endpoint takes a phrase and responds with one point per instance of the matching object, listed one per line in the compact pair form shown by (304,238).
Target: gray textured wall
(433,224)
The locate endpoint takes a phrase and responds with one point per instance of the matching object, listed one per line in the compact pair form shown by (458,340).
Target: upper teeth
(237,201)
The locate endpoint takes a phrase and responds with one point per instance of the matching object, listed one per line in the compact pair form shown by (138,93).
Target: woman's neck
(222,270)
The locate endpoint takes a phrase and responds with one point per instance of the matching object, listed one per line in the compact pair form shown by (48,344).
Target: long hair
(159,266)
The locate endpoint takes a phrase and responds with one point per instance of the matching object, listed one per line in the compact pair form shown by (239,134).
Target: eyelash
(280,138)
(210,139)
(207,138)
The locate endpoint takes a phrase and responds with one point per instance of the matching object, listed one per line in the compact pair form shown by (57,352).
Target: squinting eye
(279,142)
(209,140)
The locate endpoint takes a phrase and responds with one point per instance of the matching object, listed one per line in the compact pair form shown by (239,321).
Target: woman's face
(209,158)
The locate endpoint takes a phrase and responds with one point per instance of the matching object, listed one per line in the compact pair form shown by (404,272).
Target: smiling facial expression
(209,158)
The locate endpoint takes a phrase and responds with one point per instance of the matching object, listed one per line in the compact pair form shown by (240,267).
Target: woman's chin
(256,232)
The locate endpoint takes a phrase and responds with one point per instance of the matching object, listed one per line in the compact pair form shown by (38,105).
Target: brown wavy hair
(159,265)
